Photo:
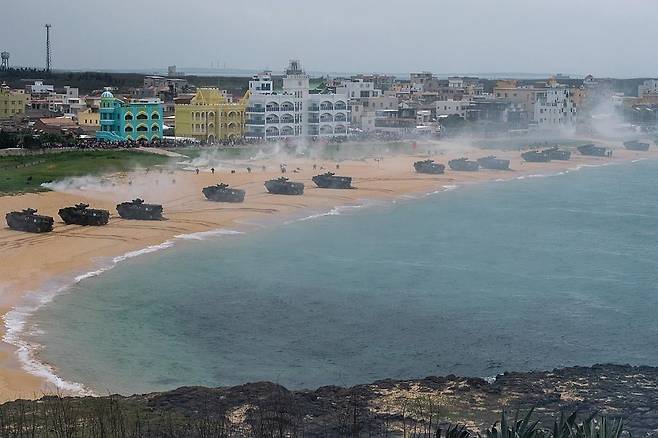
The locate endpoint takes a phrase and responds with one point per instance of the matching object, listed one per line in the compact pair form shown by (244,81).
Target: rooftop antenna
(48,26)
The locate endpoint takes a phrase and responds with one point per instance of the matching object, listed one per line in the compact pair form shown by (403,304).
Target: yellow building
(89,117)
(12,103)
(210,116)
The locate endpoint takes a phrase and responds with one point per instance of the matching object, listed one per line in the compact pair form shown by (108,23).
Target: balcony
(255,109)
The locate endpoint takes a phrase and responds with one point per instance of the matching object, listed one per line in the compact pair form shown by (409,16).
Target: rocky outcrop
(389,406)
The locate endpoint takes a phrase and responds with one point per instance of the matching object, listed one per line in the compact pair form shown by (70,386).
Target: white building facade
(554,108)
(357,89)
(294,112)
(452,107)
(648,88)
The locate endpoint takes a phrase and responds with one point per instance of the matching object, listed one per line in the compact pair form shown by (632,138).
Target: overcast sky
(602,37)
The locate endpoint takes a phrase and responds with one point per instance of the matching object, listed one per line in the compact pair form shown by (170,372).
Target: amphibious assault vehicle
(281,186)
(635,145)
(137,209)
(27,220)
(222,193)
(593,151)
(330,181)
(429,166)
(555,153)
(491,162)
(536,156)
(81,215)
(463,164)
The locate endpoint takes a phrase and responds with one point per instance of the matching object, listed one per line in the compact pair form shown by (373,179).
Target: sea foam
(17,328)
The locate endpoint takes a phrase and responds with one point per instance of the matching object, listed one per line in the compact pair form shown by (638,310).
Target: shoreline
(79,250)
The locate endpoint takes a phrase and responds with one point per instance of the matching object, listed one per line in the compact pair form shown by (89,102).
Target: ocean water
(516,275)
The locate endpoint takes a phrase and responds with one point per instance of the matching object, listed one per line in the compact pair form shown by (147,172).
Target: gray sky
(602,37)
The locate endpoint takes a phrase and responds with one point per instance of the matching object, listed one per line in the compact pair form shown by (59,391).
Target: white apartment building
(68,102)
(649,87)
(452,107)
(357,89)
(363,111)
(554,108)
(294,112)
(39,88)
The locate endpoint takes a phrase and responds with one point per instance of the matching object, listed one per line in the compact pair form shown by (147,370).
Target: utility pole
(48,26)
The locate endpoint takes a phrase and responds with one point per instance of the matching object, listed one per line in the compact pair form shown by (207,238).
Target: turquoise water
(516,275)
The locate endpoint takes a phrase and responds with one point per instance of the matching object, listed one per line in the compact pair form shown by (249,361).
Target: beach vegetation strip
(27,173)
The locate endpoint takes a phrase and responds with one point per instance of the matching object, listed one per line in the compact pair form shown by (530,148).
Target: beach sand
(36,262)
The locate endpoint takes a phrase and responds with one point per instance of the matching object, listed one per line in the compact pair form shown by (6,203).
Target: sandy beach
(33,262)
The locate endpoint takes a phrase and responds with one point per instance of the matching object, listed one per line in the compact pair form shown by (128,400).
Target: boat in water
(330,181)
(28,220)
(137,209)
(557,154)
(223,193)
(80,214)
(491,162)
(282,186)
(634,145)
(536,156)
(593,151)
(463,164)
(429,166)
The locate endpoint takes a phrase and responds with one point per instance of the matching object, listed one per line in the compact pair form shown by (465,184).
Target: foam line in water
(16,320)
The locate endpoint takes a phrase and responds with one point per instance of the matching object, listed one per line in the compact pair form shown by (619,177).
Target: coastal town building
(139,119)
(647,88)
(89,117)
(554,108)
(211,116)
(452,107)
(12,103)
(357,88)
(39,88)
(294,111)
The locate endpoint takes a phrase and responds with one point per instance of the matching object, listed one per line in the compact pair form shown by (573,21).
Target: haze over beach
(306,220)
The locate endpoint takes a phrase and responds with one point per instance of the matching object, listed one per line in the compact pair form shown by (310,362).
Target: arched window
(340,117)
(326,105)
(272,131)
(129,116)
(142,116)
(287,106)
(155,128)
(340,105)
(287,130)
(129,128)
(155,116)
(326,117)
(287,118)
(142,128)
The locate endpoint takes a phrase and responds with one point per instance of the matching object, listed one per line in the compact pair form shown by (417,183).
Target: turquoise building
(139,119)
